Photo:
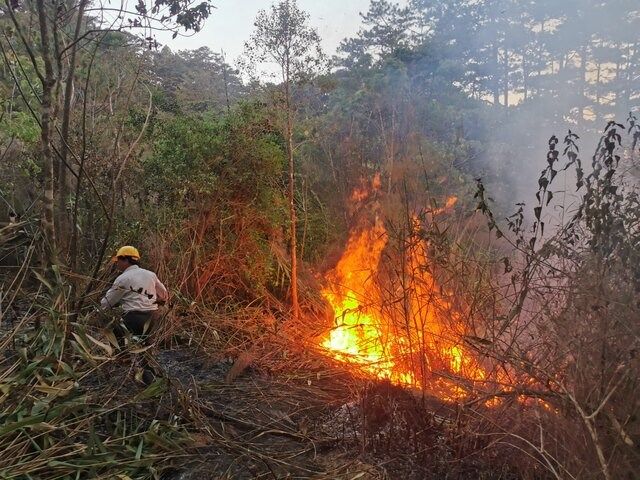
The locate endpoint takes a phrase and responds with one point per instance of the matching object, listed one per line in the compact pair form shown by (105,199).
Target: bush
(219,180)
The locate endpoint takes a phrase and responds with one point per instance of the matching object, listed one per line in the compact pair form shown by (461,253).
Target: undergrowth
(72,410)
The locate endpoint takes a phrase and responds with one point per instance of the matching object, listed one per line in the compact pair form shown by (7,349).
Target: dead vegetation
(237,396)
(244,392)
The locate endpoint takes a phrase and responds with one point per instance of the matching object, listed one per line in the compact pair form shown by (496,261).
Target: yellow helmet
(128,251)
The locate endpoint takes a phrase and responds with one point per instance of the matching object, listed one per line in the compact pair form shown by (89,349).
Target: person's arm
(113,296)
(161,292)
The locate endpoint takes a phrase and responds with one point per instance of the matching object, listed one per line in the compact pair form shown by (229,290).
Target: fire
(448,205)
(365,190)
(410,335)
(359,336)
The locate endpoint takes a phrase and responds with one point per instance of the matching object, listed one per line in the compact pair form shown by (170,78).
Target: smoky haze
(557,67)
(527,70)
(544,68)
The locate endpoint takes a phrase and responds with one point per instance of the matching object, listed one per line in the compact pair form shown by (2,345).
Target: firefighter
(137,291)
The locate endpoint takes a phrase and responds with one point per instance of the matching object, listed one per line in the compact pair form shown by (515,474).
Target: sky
(231,24)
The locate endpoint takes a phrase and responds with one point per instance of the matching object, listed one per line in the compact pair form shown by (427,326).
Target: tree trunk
(525,76)
(292,207)
(63,179)
(598,74)
(629,75)
(496,83)
(633,73)
(617,93)
(226,81)
(506,78)
(391,153)
(46,120)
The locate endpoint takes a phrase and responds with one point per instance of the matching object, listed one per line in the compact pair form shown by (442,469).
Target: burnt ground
(243,422)
(318,426)
(312,419)
(267,426)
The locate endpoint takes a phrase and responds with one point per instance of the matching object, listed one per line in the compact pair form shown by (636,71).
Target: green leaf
(156,388)
(43,281)
(139,450)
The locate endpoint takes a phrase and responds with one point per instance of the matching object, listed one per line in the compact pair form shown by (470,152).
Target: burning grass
(417,310)
(394,321)
(433,367)
(285,410)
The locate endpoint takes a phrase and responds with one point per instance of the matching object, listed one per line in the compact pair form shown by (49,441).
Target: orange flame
(448,205)
(451,201)
(410,340)
(365,190)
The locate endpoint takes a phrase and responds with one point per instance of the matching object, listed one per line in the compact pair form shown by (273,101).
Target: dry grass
(73,408)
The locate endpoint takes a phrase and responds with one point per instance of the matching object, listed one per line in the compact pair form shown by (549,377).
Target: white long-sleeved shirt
(135,289)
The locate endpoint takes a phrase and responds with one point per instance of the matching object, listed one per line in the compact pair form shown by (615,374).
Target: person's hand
(95,317)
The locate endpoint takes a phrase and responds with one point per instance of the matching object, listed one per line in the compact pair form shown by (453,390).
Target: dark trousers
(139,323)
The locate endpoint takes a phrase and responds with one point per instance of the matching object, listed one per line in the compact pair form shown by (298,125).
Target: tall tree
(387,29)
(283,37)
(52,32)
(195,80)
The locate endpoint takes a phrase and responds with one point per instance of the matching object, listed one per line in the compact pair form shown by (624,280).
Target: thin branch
(25,42)
(24,73)
(17,84)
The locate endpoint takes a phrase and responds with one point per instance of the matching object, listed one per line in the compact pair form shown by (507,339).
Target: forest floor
(312,425)
(268,426)
(232,403)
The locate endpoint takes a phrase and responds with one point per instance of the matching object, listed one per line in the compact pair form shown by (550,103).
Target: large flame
(409,336)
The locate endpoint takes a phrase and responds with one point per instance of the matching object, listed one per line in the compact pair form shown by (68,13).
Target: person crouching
(138,291)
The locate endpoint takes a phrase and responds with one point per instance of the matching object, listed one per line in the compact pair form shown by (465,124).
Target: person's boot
(148,377)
